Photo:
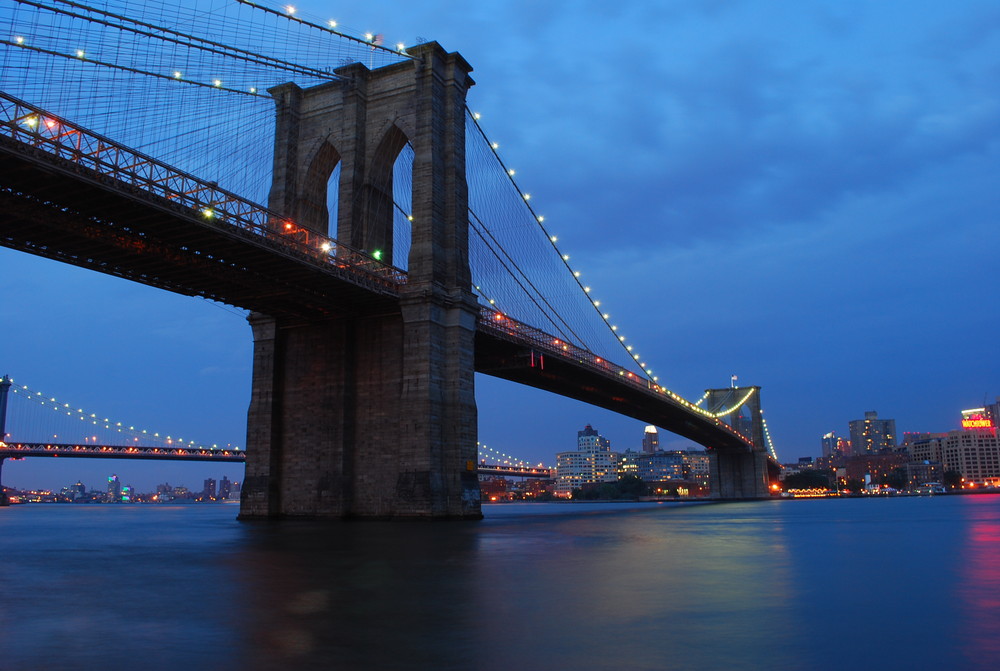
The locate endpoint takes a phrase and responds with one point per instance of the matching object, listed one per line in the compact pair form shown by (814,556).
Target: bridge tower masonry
(733,474)
(372,413)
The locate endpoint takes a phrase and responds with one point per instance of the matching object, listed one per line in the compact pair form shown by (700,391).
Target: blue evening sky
(803,194)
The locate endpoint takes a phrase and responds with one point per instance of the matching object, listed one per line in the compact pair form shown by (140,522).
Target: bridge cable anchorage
(177,37)
(164,441)
(330,28)
(538,222)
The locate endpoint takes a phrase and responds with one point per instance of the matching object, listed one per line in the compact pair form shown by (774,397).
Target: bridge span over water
(363,398)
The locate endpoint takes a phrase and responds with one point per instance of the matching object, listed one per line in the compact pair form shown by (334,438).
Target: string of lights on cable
(84,424)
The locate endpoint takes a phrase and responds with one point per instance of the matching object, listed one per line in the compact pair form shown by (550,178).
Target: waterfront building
(653,467)
(494,489)
(650,440)
(871,434)
(209,491)
(973,451)
(922,472)
(696,466)
(591,462)
(874,468)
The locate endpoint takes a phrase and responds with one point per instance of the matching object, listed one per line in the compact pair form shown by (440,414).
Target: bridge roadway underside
(738,472)
(55,208)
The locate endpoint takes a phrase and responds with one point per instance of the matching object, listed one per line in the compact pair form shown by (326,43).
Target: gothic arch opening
(386,228)
(320,197)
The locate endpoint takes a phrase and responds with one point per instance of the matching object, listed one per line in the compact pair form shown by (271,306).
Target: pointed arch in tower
(321,180)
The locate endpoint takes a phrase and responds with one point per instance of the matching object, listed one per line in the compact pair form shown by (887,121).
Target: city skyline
(803,197)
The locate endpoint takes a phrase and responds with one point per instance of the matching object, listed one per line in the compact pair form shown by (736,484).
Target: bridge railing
(34,127)
(518,332)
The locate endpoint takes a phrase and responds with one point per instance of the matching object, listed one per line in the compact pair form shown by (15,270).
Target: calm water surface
(905,583)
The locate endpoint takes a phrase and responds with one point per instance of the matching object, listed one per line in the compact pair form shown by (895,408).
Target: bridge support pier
(356,418)
(372,413)
(738,475)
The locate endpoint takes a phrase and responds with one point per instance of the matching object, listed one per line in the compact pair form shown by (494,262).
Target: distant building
(650,440)
(592,461)
(835,446)
(114,489)
(494,489)
(225,487)
(973,451)
(209,491)
(652,467)
(993,412)
(75,491)
(874,468)
(696,466)
(922,472)
(871,434)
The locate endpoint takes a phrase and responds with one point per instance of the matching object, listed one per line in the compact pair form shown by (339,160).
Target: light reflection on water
(980,588)
(893,583)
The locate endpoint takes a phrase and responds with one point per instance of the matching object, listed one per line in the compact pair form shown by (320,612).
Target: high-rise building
(993,411)
(591,462)
(871,434)
(114,489)
(209,491)
(225,486)
(650,440)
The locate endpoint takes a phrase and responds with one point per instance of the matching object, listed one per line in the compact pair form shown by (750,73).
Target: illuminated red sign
(977,422)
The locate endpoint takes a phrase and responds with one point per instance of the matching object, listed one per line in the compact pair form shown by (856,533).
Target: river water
(896,583)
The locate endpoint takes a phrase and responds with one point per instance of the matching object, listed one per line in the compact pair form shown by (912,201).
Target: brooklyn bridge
(395,257)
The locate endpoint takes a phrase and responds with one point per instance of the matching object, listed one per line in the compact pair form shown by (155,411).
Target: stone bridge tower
(733,474)
(372,413)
